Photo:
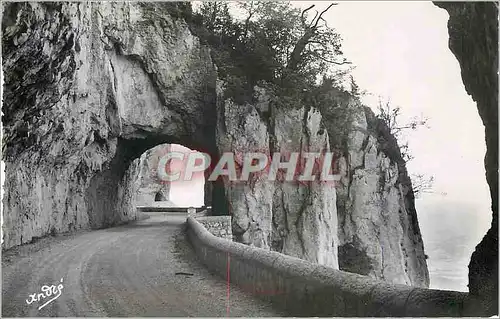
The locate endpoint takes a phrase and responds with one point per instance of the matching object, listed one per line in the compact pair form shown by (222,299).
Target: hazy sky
(400,50)
(187,193)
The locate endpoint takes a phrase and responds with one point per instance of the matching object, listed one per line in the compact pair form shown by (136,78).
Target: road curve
(128,270)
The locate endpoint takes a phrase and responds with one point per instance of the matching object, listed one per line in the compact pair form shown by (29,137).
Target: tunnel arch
(105,197)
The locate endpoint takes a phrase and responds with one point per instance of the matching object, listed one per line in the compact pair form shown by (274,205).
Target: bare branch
(312,21)
(422,184)
(326,24)
(316,42)
(321,14)
(334,62)
(247,21)
(305,11)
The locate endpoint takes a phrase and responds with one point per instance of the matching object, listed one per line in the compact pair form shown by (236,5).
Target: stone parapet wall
(219,226)
(302,288)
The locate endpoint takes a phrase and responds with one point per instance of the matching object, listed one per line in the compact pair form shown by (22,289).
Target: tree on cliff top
(270,41)
(292,53)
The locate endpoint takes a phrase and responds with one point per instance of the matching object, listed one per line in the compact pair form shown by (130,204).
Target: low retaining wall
(168,209)
(219,226)
(302,288)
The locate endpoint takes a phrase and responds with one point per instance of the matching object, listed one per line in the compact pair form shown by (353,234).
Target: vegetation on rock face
(272,41)
(258,42)
(292,53)
(390,115)
(295,56)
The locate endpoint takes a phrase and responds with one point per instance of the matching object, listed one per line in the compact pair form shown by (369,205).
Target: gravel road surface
(122,271)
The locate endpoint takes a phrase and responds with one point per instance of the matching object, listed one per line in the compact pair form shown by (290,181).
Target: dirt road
(122,271)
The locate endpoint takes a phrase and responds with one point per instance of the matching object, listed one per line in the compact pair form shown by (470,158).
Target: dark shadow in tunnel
(159,197)
(102,194)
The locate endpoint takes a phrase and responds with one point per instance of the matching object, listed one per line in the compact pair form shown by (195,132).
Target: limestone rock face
(378,227)
(147,187)
(473,30)
(140,185)
(304,213)
(88,88)
(240,131)
(286,216)
(150,188)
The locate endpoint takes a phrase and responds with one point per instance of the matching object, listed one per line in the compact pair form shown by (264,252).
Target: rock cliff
(148,187)
(89,87)
(473,30)
(290,217)
(379,232)
(374,210)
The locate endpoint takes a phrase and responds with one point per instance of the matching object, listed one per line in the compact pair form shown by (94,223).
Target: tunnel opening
(112,195)
(185,191)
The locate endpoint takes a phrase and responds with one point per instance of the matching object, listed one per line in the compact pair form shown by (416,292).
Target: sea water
(450,232)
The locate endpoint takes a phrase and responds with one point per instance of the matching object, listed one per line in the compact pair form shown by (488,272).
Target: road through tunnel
(69,142)
(115,192)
